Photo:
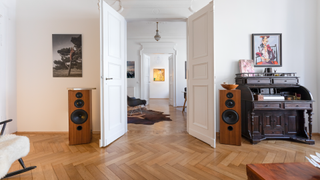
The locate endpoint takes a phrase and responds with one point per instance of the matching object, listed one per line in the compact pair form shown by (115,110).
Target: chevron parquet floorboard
(146,152)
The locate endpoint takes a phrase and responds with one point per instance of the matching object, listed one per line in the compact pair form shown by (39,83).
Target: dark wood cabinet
(275,119)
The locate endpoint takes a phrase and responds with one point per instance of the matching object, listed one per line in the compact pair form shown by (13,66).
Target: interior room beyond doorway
(159,76)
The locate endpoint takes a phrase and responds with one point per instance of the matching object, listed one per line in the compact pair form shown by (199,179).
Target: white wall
(8,104)
(159,89)
(143,32)
(42,99)
(236,20)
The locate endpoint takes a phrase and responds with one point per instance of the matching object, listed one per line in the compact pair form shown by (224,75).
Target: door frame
(166,48)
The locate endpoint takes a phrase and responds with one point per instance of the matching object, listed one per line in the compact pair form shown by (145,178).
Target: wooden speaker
(80,116)
(230,117)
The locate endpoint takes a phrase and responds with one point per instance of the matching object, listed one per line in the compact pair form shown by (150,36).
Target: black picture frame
(267,49)
(67,55)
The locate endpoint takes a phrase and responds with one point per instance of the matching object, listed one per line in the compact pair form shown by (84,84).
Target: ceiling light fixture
(157,37)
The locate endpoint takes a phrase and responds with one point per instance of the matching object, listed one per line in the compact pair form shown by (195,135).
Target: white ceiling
(157,10)
(145,29)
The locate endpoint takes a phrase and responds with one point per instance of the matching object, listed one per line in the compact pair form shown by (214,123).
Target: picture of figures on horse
(67,55)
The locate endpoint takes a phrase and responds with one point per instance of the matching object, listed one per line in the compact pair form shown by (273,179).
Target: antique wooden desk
(274,119)
(276,171)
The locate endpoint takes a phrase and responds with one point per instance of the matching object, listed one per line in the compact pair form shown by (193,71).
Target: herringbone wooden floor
(161,151)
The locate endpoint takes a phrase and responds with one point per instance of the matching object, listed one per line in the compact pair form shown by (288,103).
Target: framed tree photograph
(267,50)
(67,55)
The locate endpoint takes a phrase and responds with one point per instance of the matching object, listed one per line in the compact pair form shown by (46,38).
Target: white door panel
(201,121)
(113,79)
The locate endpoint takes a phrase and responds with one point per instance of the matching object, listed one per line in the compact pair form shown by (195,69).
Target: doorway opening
(157,77)
(116,49)
(158,60)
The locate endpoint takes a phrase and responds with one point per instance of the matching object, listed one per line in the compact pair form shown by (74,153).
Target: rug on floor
(148,117)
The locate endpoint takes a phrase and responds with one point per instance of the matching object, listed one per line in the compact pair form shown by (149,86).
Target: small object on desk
(298,96)
(271,91)
(273,97)
(258,97)
(229,86)
(264,90)
(288,98)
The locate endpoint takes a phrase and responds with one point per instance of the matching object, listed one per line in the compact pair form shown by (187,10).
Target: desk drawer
(298,106)
(267,105)
(285,81)
(258,81)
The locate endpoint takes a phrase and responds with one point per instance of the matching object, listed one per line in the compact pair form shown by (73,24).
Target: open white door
(145,73)
(113,47)
(201,121)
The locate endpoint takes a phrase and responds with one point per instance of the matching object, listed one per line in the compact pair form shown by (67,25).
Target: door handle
(109,78)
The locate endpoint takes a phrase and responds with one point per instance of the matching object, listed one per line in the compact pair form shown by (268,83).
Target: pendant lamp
(157,37)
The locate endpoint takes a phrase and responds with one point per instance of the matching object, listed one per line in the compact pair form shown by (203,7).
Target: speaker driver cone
(79,116)
(230,116)
(79,95)
(79,103)
(229,95)
(230,103)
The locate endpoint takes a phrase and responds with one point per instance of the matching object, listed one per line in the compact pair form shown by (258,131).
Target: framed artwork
(130,69)
(158,74)
(267,50)
(246,66)
(67,55)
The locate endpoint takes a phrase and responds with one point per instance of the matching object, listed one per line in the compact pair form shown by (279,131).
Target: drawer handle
(266,105)
(297,105)
(285,80)
(258,80)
